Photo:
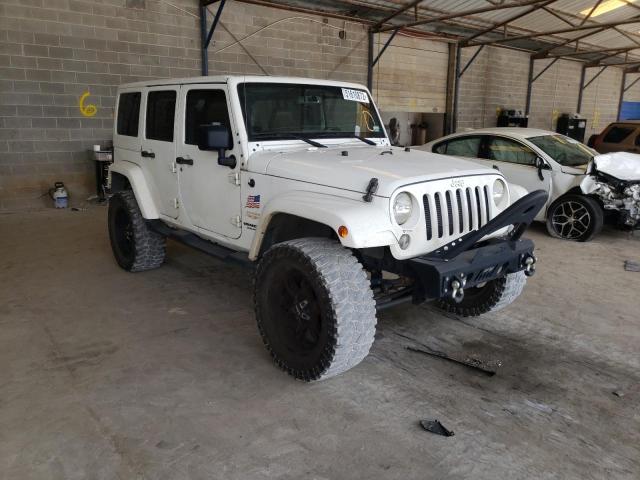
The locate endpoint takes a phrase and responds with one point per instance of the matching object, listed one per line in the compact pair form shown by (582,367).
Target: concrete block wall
(498,78)
(411,75)
(53,51)
(600,99)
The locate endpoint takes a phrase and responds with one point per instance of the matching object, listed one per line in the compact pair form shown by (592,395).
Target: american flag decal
(253,201)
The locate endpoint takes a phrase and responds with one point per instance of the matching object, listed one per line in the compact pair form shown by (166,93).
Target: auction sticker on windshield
(355,95)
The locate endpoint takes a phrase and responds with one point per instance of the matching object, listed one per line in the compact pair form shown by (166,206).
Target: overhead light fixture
(606,7)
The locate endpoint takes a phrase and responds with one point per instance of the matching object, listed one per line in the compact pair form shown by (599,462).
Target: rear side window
(204,107)
(128,114)
(161,109)
(462,147)
(617,134)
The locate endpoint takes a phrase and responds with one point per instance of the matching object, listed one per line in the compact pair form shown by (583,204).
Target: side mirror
(217,138)
(541,165)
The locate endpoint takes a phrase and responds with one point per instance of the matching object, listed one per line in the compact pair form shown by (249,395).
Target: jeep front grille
(457,211)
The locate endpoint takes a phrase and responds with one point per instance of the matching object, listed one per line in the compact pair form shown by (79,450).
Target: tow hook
(529,265)
(457,289)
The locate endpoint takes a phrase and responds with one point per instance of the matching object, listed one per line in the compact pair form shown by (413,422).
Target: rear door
(210,193)
(158,152)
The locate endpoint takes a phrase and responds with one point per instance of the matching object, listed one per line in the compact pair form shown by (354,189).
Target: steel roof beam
(505,22)
(465,13)
(593,9)
(603,26)
(588,52)
(400,11)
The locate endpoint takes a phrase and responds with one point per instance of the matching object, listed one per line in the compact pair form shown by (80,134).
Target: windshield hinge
(234,178)
(237,221)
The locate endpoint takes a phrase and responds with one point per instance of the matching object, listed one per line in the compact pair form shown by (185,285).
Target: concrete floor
(162,375)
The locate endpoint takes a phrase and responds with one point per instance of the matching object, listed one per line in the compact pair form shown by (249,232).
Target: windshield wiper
(365,140)
(287,135)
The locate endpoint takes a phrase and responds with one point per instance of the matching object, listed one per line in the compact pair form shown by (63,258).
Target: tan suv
(618,137)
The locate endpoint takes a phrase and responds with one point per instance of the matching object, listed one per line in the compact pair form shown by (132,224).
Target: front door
(158,150)
(516,162)
(208,191)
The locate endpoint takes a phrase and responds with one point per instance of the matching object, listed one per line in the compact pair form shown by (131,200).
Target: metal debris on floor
(488,367)
(631,266)
(434,426)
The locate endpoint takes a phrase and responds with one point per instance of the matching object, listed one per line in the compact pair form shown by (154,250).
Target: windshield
(564,150)
(275,111)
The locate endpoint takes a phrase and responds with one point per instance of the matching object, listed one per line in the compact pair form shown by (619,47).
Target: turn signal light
(343,231)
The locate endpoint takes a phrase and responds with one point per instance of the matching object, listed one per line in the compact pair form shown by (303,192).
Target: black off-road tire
(588,210)
(135,247)
(491,297)
(326,328)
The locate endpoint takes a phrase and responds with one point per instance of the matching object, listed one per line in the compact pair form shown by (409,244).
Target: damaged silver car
(585,188)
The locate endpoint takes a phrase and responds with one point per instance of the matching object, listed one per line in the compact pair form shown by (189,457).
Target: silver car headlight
(402,207)
(499,192)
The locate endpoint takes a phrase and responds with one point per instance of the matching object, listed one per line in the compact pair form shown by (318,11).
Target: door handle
(184,161)
(146,154)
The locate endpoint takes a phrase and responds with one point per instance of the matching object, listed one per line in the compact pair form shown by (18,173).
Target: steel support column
(622,90)
(204,54)
(527,105)
(206,34)
(370,59)
(456,95)
(583,72)
(452,80)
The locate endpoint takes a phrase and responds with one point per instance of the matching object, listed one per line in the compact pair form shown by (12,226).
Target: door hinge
(174,167)
(234,178)
(176,204)
(237,221)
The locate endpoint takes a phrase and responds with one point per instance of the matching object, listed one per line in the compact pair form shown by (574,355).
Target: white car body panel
(292,177)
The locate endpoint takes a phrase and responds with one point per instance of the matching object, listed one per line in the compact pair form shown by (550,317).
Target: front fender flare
(139,185)
(368,222)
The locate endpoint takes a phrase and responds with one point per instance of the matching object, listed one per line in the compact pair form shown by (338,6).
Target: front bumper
(442,277)
(471,259)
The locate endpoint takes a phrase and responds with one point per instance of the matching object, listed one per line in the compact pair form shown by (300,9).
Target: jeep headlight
(402,207)
(499,192)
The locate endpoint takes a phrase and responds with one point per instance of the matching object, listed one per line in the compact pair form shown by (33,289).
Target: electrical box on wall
(572,126)
(512,118)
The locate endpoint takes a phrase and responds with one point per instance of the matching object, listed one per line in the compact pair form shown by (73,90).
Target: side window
(505,150)
(161,109)
(617,134)
(440,148)
(638,141)
(463,147)
(128,114)
(204,107)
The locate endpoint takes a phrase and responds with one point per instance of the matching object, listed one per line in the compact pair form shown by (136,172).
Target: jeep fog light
(404,241)
(499,192)
(402,207)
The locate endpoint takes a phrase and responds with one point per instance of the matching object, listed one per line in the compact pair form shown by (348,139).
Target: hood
(621,165)
(392,166)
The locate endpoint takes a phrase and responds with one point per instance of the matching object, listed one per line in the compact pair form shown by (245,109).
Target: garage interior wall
(498,79)
(53,51)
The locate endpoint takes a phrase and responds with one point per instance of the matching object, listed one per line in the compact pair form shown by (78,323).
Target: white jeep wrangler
(297,178)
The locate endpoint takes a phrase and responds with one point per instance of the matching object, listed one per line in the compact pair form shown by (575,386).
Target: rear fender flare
(134,174)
